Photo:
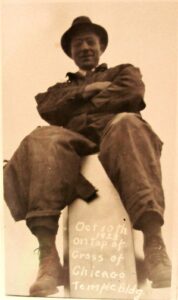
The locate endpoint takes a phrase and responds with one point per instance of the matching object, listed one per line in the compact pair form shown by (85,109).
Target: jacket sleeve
(59,102)
(125,93)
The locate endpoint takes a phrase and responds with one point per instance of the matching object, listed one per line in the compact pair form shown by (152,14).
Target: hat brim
(97,29)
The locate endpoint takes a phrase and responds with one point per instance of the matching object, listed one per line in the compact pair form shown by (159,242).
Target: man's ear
(102,47)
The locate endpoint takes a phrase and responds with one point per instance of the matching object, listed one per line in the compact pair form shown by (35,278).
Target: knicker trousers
(130,154)
(40,179)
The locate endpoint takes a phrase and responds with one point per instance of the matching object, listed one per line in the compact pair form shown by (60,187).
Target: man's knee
(49,135)
(126,119)
(121,125)
(61,138)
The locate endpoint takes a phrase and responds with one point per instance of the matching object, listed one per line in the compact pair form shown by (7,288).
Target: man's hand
(94,88)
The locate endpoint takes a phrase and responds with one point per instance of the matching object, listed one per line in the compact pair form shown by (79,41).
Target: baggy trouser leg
(40,178)
(49,222)
(130,154)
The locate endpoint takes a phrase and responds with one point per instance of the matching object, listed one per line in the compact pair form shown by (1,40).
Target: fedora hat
(77,25)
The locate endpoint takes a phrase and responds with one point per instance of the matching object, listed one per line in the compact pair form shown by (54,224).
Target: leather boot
(157,263)
(50,273)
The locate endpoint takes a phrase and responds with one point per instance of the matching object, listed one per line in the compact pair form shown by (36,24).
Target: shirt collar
(80,74)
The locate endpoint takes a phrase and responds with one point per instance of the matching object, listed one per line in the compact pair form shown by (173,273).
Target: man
(96,110)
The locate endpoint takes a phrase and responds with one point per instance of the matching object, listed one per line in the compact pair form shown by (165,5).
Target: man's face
(86,50)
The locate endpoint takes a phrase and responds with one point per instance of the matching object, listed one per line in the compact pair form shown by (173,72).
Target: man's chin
(87,66)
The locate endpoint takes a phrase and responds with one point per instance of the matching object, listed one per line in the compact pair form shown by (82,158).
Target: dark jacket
(63,105)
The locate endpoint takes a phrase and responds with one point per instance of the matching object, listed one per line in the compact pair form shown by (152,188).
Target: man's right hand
(94,88)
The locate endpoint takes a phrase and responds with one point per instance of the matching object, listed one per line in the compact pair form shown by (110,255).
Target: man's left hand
(95,87)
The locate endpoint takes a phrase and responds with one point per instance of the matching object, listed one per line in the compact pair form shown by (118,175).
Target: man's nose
(85,46)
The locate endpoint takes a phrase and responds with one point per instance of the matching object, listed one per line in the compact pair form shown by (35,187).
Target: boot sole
(43,293)
(161,281)
(161,284)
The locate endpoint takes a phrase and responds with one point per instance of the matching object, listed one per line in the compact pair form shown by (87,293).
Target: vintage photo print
(89,137)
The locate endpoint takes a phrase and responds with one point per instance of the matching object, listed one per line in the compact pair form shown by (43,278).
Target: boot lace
(156,252)
(48,261)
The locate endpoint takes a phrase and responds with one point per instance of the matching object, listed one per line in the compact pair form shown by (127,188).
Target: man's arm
(60,102)
(122,90)
(63,100)
(125,93)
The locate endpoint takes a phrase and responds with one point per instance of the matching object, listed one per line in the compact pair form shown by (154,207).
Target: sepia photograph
(89,149)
